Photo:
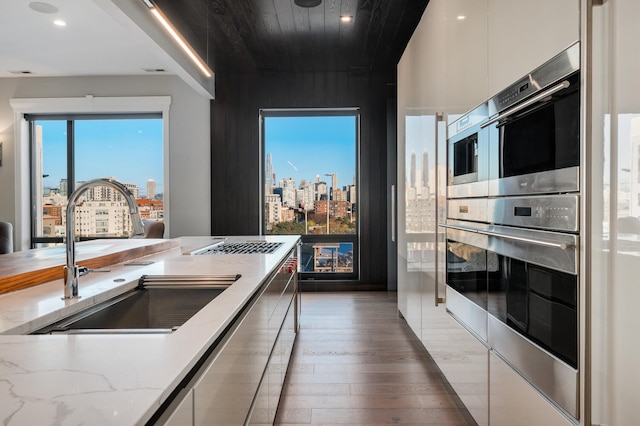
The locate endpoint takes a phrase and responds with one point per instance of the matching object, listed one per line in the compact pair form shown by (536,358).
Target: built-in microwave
(534,131)
(468,149)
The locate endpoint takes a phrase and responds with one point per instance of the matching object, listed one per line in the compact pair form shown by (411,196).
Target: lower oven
(517,289)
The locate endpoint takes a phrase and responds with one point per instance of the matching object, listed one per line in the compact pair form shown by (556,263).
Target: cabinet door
(416,216)
(523,35)
(180,413)
(260,413)
(614,206)
(515,402)
(224,393)
(268,398)
(462,358)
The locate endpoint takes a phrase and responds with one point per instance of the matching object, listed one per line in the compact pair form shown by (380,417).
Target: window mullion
(34,204)
(71,175)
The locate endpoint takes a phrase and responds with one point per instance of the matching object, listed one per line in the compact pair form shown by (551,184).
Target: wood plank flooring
(356,363)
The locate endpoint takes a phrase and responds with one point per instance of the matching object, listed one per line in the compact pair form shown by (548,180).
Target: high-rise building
(308,194)
(273,210)
(412,171)
(425,171)
(288,192)
(321,189)
(334,183)
(151,188)
(351,197)
(340,195)
(107,193)
(63,187)
(269,176)
(102,219)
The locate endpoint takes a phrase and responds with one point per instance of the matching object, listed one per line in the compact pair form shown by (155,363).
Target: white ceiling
(93,42)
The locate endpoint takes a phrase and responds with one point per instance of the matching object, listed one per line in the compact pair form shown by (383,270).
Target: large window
(67,150)
(310,186)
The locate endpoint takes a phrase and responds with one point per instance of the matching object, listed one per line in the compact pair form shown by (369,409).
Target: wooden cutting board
(29,268)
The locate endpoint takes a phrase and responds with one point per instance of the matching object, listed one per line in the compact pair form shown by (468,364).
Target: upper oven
(534,132)
(468,148)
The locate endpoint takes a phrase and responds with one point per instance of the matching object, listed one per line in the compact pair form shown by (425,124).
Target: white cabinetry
(442,72)
(462,358)
(515,402)
(180,411)
(241,380)
(523,34)
(462,52)
(615,214)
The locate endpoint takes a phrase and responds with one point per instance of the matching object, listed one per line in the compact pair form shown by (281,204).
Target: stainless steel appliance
(513,253)
(517,288)
(534,140)
(468,147)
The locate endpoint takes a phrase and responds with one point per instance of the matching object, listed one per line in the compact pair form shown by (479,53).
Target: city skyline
(131,151)
(303,147)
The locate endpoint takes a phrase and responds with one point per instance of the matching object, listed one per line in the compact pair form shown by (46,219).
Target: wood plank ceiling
(277,35)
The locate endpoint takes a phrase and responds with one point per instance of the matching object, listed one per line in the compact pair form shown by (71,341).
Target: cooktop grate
(251,247)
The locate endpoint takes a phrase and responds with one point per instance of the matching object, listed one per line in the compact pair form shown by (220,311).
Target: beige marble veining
(113,379)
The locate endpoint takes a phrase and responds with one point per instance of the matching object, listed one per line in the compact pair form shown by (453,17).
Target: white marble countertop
(114,379)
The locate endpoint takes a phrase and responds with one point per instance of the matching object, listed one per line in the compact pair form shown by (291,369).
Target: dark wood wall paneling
(235,153)
(274,54)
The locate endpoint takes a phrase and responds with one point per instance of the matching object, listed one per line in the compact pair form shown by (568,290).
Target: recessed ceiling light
(461,17)
(346,18)
(43,7)
(60,23)
(307,3)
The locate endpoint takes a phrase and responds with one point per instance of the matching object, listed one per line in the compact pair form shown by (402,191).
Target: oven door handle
(562,246)
(527,103)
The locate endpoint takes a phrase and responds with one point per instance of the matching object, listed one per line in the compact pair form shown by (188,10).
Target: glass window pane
(327,257)
(50,174)
(310,178)
(310,175)
(129,150)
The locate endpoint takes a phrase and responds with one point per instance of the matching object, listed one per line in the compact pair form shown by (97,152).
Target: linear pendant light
(169,28)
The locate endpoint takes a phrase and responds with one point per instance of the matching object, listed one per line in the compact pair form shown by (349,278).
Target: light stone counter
(114,379)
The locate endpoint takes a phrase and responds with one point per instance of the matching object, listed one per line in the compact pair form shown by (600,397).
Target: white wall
(189,140)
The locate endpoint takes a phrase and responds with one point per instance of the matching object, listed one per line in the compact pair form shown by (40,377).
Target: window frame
(76,105)
(317,238)
(70,148)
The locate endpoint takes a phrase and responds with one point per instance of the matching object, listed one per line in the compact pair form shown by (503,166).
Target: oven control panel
(554,212)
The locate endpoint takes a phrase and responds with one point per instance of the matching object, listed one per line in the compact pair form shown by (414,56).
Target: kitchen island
(127,379)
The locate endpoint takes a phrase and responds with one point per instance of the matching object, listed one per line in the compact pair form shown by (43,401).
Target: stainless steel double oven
(513,226)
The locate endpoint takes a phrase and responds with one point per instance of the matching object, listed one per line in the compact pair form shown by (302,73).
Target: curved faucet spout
(71,271)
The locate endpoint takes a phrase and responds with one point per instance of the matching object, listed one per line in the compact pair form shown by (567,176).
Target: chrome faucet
(73,272)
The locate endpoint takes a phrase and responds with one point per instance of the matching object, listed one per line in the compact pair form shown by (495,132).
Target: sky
(303,147)
(131,150)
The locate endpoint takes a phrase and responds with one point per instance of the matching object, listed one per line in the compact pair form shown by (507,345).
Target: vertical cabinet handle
(440,118)
(393,213)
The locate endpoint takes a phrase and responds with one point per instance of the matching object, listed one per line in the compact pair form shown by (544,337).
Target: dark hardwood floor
(356,362)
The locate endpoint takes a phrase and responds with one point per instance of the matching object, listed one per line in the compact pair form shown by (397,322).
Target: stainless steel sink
(160,304)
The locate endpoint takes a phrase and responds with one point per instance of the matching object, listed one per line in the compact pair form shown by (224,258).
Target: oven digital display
(522,211)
